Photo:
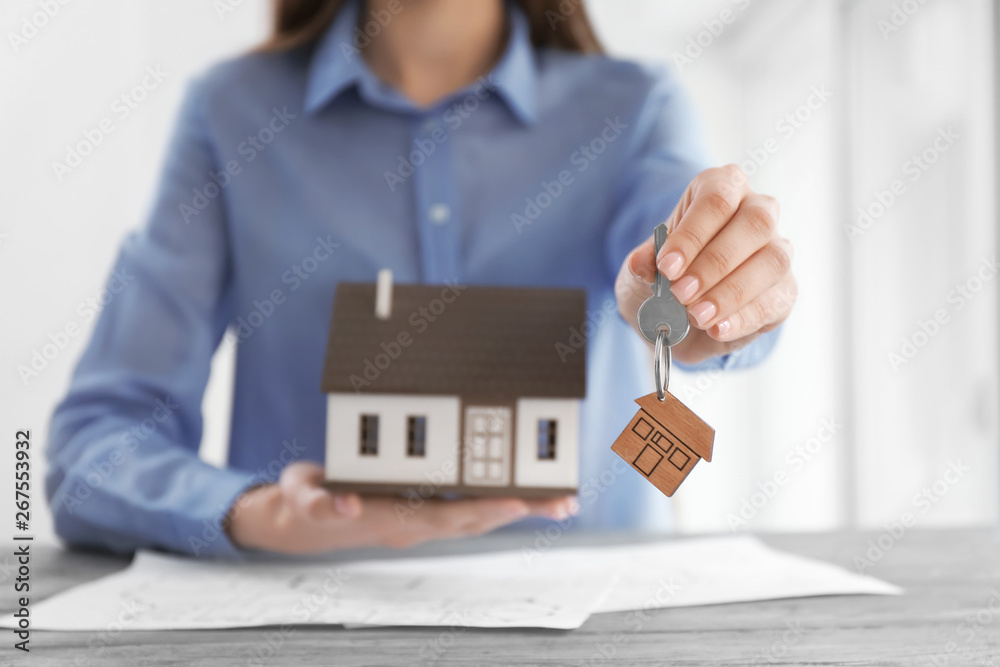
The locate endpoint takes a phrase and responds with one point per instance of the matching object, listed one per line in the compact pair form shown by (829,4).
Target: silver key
(662,310)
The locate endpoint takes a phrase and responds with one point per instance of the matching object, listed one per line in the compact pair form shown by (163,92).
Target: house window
(547,439)
(416,436)
(369,435)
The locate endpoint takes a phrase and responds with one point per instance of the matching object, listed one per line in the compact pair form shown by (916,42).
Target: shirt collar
(337,65)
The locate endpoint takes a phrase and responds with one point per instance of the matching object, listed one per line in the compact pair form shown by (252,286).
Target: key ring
(661,362)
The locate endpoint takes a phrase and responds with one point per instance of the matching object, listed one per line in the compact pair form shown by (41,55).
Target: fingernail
(671,264)
(703,312)
(518,511)
(344,506)
(631,269)
(724,327)
(628,263)
(685,288)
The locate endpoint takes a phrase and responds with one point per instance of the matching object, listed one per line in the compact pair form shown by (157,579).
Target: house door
(487,446)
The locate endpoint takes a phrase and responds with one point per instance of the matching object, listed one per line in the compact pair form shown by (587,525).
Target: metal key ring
(661,362)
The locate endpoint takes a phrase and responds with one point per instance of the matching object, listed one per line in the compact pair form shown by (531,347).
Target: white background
(897,429)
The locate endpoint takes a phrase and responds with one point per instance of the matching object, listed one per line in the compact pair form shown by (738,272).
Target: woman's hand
(297,515)
(726,264)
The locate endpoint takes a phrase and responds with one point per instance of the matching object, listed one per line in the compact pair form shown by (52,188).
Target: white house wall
(563,471)
(391,465)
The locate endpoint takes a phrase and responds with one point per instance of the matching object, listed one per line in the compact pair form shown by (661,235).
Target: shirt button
(439,213)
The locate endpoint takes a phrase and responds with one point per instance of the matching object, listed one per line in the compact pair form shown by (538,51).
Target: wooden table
(949,616)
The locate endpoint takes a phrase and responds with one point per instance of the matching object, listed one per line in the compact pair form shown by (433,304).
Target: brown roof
(686,426)
(499,342)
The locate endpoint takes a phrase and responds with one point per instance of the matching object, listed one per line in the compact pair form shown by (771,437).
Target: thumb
(634,282)
(301,485)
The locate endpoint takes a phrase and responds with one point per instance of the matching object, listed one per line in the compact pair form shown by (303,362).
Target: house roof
(682,424)
(488,342)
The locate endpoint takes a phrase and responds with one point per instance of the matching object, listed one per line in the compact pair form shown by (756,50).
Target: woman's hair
(557,24)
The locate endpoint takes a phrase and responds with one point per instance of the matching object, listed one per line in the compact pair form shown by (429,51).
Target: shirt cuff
(747,356)
(202,530)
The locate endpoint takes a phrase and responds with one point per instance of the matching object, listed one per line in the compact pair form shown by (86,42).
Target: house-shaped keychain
(664,441)
(454,389)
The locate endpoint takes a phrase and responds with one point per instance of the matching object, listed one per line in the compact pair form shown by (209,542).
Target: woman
(484,143)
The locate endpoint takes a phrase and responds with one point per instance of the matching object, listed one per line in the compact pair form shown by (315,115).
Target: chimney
(383,294)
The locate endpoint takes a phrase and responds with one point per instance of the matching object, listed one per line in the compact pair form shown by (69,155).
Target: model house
(664,441)
(452,388)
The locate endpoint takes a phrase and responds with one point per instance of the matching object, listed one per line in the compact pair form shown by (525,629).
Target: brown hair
(557,24)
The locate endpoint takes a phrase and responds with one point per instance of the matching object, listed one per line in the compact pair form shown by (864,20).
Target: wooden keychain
(664,440)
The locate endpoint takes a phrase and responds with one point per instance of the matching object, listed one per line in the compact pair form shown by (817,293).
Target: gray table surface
(950,615)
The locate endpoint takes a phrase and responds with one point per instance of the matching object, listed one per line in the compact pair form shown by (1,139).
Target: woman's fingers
(714,196)
(763,313)
(486,514)
(635,279)
(348,505)
(765,269)
(722,253)
(316,519)
(554,508)
(641,264)
(437,519)
(301,486)
(445,519)
(298,516)
(752,228)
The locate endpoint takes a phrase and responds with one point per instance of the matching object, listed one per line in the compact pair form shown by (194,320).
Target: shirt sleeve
(124,471)
(669,150)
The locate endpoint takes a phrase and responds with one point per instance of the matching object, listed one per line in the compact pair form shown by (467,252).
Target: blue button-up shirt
(291,172)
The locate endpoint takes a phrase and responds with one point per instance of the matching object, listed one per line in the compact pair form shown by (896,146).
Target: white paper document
(555,588)
(719,570)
